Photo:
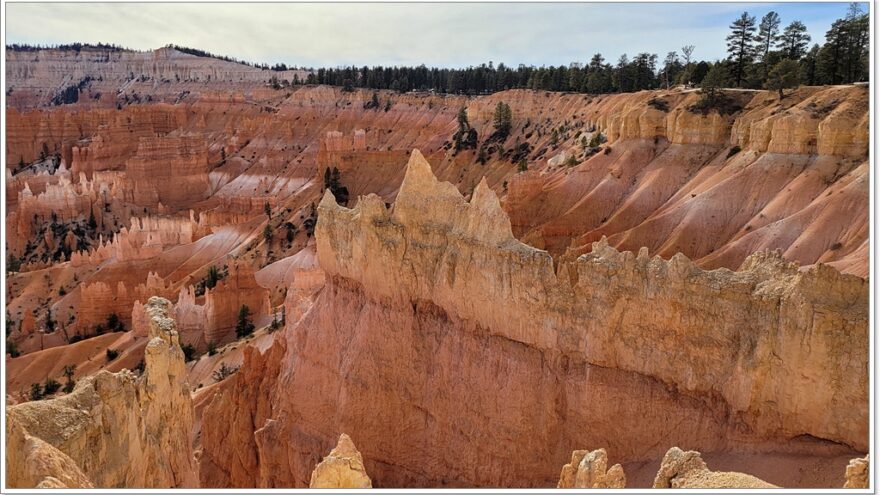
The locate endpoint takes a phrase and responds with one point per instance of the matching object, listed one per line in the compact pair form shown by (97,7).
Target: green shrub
(189,352)
(50,387)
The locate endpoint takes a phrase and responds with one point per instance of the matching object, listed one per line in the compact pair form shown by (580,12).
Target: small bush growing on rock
(659,104)
(114,324)
(373,103)
(36,391)
(50,387)
(224,372)
(189,352)
(212,348)
(733,151)
(12,349)
(112,354)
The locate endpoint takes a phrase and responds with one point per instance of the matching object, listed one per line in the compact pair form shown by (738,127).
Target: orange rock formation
(467,323)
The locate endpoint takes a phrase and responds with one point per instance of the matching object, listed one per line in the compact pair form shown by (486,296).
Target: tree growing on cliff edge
(502,121)
(739,45)
(68,372)
(782,76)
(466,136)
(244,327)
(333,182)
(50,322)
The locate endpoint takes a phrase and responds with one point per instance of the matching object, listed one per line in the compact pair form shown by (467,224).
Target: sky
(434,34)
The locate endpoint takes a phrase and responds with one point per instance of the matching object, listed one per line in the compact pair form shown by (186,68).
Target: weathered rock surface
(120,430)
(446,314)
(33,463)
(858,473)
(342,468)
(682,469)
(590,470)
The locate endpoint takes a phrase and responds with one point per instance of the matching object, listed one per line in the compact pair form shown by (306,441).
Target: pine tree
(502,120)
(739,45)
(669,65)
(244,327)
(794,40)
(857,39)
(831,54)
(713,82)
(783,75)
(768,34)
(809,67)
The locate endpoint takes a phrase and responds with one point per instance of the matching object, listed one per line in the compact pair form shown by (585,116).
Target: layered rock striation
(440,337)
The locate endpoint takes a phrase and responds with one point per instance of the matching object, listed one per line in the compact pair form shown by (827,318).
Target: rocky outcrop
(433,314)
(342,468)
(172,171)
(717,329)
(33,463)
(119,429)
(214,321)
(858,473)
(681,469)
(716,188)
(34,77)
(590,470)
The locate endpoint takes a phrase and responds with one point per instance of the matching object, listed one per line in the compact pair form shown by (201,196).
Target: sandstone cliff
(119,430)
(434,315)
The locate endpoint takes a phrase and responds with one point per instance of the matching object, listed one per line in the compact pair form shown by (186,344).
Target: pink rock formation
(594,351)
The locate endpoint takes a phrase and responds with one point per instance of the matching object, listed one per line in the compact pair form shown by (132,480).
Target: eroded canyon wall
(440,337)
(119,430)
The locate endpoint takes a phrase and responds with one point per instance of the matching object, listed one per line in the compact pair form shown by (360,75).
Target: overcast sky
(450,35)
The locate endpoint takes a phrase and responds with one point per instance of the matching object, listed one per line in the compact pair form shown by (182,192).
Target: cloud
(440,34)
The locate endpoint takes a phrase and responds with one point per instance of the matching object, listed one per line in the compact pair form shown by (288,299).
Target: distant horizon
(458,35)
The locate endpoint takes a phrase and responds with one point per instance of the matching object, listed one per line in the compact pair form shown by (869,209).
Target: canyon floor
(623,272)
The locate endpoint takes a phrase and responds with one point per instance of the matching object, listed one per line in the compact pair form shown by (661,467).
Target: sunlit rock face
(447,315)
(342,468)
(115,429)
